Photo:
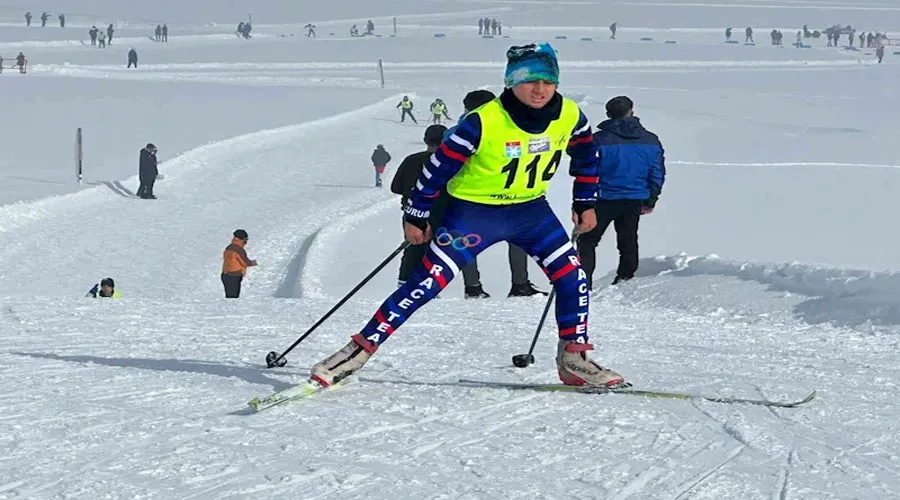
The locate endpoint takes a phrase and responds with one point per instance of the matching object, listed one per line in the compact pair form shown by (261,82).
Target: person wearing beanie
(106,288)
(235,263)
(497,167)
(632,173)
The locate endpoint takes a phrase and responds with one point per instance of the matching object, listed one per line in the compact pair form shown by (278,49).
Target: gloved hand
(416,230)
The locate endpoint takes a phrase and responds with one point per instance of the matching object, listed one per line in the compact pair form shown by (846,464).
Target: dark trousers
(625,216)
(146,188)
(130,63)
(232,283)
(405,113)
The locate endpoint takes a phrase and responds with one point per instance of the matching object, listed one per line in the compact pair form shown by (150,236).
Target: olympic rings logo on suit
(456,239)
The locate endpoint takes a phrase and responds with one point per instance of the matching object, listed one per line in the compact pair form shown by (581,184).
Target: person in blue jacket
(632,172)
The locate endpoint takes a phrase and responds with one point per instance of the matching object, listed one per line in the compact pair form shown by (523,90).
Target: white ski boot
(343,363)
(575,368)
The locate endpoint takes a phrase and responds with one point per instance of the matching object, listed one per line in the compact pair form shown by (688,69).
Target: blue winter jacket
(632,161)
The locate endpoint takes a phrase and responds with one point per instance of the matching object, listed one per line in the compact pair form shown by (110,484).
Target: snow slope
(769,268)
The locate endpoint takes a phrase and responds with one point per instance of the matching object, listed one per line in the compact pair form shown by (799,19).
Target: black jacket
(407,174)
(405,180)
(380,157)
(132,56)
(147,168)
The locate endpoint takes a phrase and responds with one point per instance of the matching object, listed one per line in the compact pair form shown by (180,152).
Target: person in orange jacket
(234,264)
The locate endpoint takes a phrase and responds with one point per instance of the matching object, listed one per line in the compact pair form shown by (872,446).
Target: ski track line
(731,456)
(724,426)
(321,251)
(320,255)
(638,483)
(785,476)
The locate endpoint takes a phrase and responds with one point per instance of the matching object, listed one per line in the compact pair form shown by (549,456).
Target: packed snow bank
(869,300)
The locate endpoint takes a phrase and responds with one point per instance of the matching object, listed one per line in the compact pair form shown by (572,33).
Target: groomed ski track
(142,396)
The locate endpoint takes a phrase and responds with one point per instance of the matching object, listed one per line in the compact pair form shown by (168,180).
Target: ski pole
(274,359)
(523,360)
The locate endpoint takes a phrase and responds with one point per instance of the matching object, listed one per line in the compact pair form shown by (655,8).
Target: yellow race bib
(512,166)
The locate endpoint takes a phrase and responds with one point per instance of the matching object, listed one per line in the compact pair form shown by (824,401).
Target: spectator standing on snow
(44,17)
(147,172)
(310,30)
(727,34)
(404,180)
(28,19)
(879,52)
(370,27)
(380,159)
(132,58)
(612,28)
(748,35)
(481,26)
(62,20)
(109,33)
(235,263)
(93,34)
(632,172)
(165,32)
(101,39)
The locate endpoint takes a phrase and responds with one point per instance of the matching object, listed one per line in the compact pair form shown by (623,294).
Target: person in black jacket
(380,159)
(403,182)
(147,172)
(132,58)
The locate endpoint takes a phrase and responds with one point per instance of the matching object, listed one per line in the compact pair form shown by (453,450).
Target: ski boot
(575,368)
(526,289)
(343,363)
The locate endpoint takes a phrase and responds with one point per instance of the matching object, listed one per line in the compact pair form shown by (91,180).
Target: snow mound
(866,300)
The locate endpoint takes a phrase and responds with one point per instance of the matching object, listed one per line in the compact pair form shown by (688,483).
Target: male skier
(497,166)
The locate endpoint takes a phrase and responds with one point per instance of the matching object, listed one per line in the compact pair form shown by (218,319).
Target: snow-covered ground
(769,270)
